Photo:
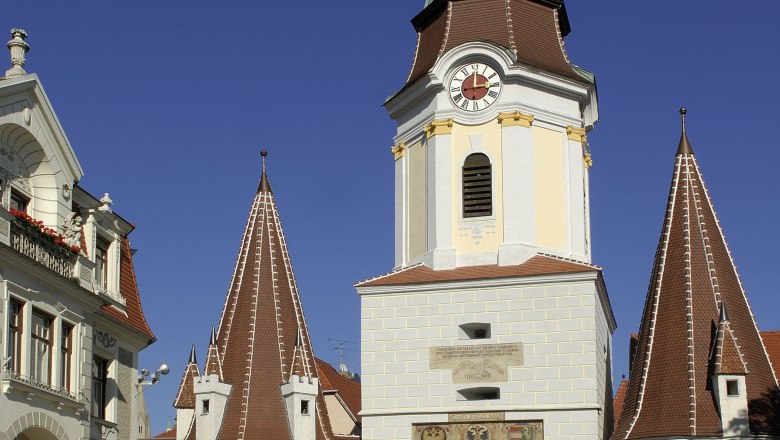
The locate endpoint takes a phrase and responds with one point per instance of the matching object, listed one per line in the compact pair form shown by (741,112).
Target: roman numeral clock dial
(474,87)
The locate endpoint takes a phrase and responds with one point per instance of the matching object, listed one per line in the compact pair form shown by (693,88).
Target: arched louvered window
(477,186)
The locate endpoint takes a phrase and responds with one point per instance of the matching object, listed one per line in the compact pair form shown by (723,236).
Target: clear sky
(168,103)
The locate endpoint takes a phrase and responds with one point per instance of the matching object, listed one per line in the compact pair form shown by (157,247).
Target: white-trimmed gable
(36,157)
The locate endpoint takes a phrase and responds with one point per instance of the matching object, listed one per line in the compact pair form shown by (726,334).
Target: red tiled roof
(668,393)
(541,264)
(128,288)
(772,344)
(727,356)
(171,433)
(620,397)
(348,389)
(527,28)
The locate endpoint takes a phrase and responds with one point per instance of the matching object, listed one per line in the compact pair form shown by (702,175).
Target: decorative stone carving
(437,127)
(71,229)
(515,118)
(477,231)
(399,150)
(18,50)
(105,203)
(27,116)
(576,134)
(105,339)
(66,191)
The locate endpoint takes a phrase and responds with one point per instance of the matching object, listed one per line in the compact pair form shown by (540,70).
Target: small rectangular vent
(479,393)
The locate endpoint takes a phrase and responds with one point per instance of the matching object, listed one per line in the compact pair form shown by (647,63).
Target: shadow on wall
(764,414)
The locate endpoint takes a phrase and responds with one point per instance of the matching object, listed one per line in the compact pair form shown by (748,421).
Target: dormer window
(18,201)
(101,263)
(477,186)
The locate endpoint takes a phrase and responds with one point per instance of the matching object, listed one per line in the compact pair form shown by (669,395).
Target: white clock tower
(493,323)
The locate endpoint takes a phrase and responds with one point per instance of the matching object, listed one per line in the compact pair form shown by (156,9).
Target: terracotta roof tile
(541,264)
(668,393)
(772,344)
(620,398)
(263,332)
(527,28)
(185,396)
(348,389)
(128,288)
(171,433)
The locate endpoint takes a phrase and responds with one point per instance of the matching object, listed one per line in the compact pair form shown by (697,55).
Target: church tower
(494,323)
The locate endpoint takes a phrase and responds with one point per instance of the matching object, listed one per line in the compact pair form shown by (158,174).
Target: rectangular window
(99,382)
(101,262)
(14,336)
(40,356)
(732,388)
(18,201)
(66,348)
(305,407)
(205,407)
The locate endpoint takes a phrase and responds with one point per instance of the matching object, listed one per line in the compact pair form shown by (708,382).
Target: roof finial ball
(263,153)
(18,49)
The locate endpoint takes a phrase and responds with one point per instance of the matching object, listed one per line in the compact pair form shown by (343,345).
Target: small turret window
(477,186)
(732,388)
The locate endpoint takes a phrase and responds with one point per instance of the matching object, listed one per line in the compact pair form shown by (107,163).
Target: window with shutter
(477,186)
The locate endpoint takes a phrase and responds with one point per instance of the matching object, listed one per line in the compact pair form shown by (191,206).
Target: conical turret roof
(185,396)
(213,362)
(670,392)
(262,332)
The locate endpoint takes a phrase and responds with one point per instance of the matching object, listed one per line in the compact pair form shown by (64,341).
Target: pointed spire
(264,186)
(677,352)
(193,359)
(185,397)
(262,336)
(684,147)
(213,361)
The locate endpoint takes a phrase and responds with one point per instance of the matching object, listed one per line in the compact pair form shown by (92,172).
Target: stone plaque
(476,417)
(477,363)
(480,431)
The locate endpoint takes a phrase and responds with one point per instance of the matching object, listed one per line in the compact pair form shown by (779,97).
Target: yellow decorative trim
(588,160)
(443,126)
(399,150)
(576,134)
(509,119)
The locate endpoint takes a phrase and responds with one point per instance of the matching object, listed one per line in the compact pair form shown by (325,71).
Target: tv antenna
(338,345)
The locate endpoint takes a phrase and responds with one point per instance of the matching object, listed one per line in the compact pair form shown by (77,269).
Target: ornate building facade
(72,322)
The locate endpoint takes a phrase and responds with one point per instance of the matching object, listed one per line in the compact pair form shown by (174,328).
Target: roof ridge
(569,260)
(392,272)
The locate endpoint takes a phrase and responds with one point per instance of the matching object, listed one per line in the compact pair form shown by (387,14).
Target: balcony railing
(31,243)
(30,386)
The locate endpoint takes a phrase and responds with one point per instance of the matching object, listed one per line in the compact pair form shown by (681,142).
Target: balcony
(33,243)
(31,389)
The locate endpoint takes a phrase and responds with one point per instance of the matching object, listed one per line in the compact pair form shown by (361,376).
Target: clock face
(475,87)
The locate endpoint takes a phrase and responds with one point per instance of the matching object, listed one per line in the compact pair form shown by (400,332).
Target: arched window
(477,186)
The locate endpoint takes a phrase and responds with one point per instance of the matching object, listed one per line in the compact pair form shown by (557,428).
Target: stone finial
(18,49)
(105,203)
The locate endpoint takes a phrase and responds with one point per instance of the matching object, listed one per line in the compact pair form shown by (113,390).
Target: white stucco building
(72,323)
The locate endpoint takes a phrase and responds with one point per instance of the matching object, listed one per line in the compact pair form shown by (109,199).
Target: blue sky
(167,105)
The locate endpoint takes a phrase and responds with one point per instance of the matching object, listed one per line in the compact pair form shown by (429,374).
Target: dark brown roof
(263,331)
(133,314)
(669,392)
(541,264)
(529,29)
(772,344)
(213,363)
(185,396)
(727,355)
